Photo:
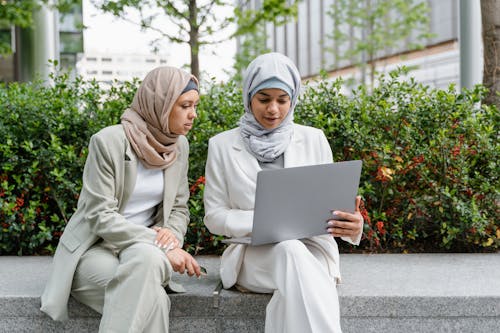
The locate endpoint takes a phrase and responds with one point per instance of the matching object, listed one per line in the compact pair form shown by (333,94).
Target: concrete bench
(379,293)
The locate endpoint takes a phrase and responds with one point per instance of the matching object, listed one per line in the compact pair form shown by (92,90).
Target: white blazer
(231,175)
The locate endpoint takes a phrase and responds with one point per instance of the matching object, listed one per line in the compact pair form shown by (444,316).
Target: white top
(147,194)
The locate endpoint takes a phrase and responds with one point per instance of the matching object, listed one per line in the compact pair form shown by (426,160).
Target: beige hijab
(146,121)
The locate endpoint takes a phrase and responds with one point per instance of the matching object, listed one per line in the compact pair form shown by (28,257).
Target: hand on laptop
(345,224)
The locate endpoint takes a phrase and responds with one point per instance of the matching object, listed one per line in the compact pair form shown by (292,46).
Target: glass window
(71,42)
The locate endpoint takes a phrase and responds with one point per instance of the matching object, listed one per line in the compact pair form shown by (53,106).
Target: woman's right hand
(182,261)
(165,238)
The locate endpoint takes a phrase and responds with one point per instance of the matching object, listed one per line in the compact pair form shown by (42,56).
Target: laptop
(295,203)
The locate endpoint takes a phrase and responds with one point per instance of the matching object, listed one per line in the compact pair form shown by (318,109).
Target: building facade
(53,36)
(308,43)
(107,67)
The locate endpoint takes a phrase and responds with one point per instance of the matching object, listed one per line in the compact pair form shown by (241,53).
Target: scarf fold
(146,121)
(264,144)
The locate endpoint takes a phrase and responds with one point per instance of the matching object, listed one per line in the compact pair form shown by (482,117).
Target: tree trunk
(193,38)
(490,15)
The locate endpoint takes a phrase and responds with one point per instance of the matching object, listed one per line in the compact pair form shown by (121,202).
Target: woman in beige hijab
(121,246)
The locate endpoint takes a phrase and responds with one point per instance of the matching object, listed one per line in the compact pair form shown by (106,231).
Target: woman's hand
(165,239)
(182,261)
(346,224)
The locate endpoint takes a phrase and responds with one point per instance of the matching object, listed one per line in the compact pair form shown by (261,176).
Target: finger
(167,239)
(174,263)
(358,203)
(339,222)
(340,232)
(159,236)
(196,267)
(348,225)
(168,247)
(170,243)
(339,215)
(336,232)
(189,267)
(182,267)
(163,242)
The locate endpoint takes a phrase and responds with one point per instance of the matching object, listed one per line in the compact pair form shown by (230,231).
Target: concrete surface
(380,292)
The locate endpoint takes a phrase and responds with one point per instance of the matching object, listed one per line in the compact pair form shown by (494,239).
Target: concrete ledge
(382,292)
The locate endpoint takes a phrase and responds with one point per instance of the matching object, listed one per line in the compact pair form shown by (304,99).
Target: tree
(490,17)
(251,28)
(251,45)
(14,13)
(198,21)
(364,29)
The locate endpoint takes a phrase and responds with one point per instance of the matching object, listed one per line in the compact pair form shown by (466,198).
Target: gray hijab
(267,145)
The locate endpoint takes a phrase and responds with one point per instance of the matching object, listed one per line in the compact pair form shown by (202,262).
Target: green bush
(220,109)
(45,132)
(430,170)
(430,162)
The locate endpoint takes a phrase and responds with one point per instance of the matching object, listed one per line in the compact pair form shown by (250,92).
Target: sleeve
(99,201)
(325,149)
(326,153)
(220,217)
(178,219)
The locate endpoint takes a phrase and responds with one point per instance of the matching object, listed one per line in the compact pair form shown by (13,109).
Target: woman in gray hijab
(301,274)
(124,241)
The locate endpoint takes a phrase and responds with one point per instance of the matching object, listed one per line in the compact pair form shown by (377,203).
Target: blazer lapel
(295,151)
(245,161)
(171,177)
(129,175)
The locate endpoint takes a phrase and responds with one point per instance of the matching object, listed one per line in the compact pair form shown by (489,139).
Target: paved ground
(380,292)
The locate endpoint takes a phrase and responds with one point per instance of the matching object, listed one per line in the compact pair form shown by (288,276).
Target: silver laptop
(294,203)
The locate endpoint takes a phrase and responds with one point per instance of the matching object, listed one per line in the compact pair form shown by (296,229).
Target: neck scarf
(268,144)
(146,121)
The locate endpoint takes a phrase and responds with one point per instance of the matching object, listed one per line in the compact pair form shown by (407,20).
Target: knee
(146,257)
(291,248)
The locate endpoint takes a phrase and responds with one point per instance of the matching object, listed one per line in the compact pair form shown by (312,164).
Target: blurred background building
(452,52)
(107,67)
(53,36)
(306,41)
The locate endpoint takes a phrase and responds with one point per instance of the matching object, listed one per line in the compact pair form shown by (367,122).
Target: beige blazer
(108,181)
(231,175)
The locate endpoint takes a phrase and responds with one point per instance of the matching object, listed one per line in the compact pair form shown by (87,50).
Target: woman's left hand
(165,239)
(346,224)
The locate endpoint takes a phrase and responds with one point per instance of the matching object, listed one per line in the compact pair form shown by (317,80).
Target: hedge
(430,159)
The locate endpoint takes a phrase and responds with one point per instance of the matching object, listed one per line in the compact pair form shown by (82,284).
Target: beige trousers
(304,294)
(126,288)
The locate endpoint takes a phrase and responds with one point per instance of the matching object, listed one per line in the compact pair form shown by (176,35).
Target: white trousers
(126,288)
(304,294)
